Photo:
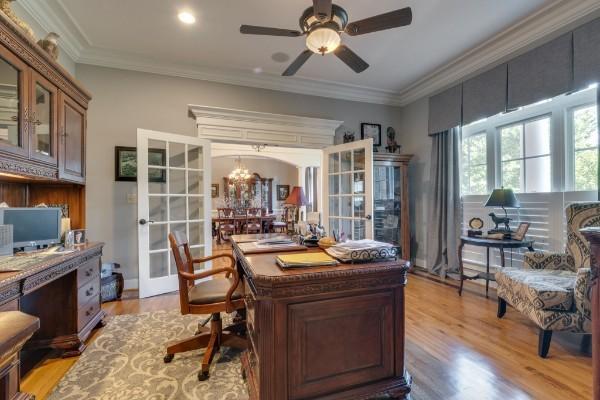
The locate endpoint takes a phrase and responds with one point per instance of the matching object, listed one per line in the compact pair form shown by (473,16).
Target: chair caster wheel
(168,358)
(202,376)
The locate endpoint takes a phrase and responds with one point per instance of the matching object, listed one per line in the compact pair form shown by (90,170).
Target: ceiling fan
(323,24)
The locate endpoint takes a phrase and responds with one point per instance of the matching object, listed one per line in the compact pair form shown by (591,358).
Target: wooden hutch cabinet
(42,112)
(42,160)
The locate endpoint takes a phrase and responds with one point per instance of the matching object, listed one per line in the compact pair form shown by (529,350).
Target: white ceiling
(148,32)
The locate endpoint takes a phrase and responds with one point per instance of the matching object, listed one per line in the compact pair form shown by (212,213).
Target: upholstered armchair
(553,289)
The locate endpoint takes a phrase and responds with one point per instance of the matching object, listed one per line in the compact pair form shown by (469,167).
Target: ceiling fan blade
(351,59)
(322,9)
(298,62)
(381,22)
(263,30)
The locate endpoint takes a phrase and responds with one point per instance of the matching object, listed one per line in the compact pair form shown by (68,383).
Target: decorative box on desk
(324,332)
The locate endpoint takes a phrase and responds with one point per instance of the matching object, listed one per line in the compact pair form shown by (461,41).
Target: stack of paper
(305,260)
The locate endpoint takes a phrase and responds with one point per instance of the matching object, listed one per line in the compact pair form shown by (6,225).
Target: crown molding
(312,87)
(529,31)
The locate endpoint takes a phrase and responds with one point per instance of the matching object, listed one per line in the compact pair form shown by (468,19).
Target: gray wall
(414,140)
(124,101)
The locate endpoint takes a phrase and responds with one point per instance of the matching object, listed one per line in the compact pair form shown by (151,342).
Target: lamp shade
(297,197)
(502,198)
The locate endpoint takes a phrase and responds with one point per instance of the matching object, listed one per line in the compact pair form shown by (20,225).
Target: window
(474,164)
(525,154)
(585,146)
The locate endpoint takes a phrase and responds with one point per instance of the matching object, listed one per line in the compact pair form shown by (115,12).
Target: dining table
(238,221)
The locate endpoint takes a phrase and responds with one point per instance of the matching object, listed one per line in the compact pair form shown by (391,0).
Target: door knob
(368,217)
(144,222)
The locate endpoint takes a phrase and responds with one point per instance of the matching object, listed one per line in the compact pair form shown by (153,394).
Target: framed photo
(79,237)
(368,130)
(283,191)
(126,164)
(214,190)
(521,231)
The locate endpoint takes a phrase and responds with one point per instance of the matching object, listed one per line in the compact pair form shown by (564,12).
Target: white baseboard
(129,284)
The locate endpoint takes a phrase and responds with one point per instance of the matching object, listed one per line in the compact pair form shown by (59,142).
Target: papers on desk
(277,240)
(305,260)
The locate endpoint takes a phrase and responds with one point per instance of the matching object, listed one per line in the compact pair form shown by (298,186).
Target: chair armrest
(547,260)
(583,292)
(230,270)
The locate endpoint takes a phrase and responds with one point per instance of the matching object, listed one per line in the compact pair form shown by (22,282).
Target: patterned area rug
(125,362)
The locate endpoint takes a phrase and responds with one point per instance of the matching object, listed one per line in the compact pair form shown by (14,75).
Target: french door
(173,175)
(348,189)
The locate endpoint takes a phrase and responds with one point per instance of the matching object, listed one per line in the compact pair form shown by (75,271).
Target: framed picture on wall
(214,190)
(368,130)
(283,191)
(126,164)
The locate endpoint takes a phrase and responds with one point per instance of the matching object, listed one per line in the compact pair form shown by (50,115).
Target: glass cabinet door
(43,124)
(387,194)
(13,104)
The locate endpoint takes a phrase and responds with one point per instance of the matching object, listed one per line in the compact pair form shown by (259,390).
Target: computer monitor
(33,227)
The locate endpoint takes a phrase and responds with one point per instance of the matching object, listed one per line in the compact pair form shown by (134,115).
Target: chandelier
(240,173)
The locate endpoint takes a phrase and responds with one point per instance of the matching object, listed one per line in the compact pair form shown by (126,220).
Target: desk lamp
(502,198)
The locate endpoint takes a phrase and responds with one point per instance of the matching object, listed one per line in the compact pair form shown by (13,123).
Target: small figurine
(392,146)
(50,45)
(348,137)
(500,220)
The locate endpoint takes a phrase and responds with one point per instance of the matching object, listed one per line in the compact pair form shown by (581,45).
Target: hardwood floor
(456,348)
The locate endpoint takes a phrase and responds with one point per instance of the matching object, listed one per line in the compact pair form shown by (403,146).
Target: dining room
(262,189)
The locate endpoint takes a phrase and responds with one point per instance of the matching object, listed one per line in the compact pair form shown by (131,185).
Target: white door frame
(154,286)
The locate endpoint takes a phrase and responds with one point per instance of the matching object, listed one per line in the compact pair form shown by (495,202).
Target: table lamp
(502,198)
(297,199)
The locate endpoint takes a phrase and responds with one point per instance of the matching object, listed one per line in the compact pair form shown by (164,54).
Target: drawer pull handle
(89,272)
(89,291)
(89,312)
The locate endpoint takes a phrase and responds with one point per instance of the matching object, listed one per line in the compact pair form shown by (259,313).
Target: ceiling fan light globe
(323,40)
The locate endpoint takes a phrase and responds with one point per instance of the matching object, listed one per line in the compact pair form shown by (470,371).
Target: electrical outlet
(131,198)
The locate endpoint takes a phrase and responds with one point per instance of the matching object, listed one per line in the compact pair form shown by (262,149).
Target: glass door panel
(173,198)
(13,104)
(387,187)
(348,195)
(44,100)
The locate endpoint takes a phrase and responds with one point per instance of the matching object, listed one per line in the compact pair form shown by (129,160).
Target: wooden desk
(324,332)
(63,292)
(487,243)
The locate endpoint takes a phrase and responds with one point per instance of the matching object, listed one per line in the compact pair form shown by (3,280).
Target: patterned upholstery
(553,289)
(544,289)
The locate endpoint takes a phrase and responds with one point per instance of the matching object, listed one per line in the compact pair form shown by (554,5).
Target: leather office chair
(208,297)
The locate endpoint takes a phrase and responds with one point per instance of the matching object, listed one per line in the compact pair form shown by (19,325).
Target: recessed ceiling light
(186,17)
(257,70)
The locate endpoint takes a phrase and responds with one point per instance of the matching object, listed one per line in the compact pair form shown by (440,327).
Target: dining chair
(226,223)
(253,220)
(212,296)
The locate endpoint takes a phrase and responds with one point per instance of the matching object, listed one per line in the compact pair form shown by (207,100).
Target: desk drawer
(87,271)
(86,312)
(88,291)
